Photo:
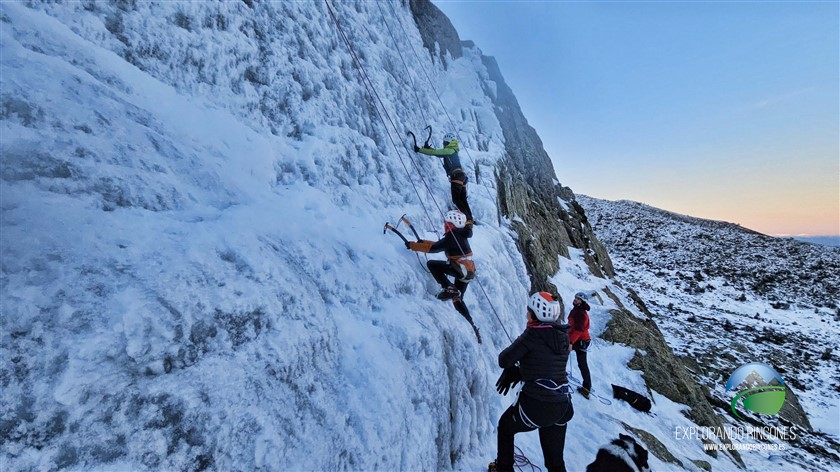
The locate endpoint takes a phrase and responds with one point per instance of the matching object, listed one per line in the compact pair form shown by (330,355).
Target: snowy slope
(724,296)
(194,275)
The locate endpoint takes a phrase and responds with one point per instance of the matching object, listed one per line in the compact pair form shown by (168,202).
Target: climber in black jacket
(545,402)
(458,265)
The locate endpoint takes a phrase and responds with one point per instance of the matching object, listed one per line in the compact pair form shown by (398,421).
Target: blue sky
(721,110)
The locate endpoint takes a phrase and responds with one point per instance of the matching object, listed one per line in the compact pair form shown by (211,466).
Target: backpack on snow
(636,400)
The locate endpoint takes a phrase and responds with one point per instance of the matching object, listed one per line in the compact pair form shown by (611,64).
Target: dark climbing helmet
(581,295)
(544,306)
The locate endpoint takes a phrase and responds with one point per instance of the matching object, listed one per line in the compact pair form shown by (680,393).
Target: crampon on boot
(448,293)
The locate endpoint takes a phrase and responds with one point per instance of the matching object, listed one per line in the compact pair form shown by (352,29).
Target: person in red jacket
(579,339)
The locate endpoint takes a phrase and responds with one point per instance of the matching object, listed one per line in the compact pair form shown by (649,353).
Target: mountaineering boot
(584,392)
(448,293)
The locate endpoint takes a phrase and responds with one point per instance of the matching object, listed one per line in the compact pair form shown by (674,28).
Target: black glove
(509,378)
(407,245)
(426,146)
(416,149)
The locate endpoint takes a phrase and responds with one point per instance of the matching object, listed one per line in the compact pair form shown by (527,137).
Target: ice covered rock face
(193,271)
(194,275)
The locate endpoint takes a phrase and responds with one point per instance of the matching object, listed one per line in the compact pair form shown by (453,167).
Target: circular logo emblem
(761,388)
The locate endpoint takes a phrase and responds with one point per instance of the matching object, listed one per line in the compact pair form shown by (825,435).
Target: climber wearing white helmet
(459,265)
(545,402)
(457,176)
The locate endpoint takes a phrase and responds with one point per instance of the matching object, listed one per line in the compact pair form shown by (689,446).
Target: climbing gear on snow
(636,400)
(574,381)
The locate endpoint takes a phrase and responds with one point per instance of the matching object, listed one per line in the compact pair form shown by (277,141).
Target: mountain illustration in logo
(761,388)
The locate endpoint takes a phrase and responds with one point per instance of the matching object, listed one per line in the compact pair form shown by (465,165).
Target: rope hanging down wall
(372,93)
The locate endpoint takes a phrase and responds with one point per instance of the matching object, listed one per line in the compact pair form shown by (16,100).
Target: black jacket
(454,243)
(542,352)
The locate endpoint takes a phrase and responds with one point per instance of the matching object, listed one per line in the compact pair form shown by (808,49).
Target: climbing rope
(371,91)
(520,461)
(434,89)
(451,123)
(420,107)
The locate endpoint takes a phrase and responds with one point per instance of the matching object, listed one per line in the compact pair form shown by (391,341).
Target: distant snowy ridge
(833,241)
(784,271)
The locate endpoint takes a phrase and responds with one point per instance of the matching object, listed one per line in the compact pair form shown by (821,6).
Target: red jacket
(579,321)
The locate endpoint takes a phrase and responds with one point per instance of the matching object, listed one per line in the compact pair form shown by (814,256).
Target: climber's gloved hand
(416,148)
(509,378)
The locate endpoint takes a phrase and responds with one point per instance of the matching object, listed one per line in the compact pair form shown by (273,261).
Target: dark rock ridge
(551,219)
(435,28)
(663,371)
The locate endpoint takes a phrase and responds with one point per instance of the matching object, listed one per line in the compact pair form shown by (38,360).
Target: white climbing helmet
(544,306)
(449,137)
(456,218)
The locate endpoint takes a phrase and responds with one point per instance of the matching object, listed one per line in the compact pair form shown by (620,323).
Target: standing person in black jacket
(458,265)
(545,402)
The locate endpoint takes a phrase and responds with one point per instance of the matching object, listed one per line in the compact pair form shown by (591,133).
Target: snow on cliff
(194,274)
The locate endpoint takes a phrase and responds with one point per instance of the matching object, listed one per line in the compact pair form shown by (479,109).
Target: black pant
(440,270)
(551,418)
(458,186)
(580,348)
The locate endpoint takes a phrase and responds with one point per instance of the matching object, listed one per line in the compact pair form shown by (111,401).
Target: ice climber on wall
(457,176)
(459,264)
(545,402)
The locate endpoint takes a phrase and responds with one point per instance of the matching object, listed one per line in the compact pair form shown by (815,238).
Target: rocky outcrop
(543,213)
(662,370)
(435,28)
